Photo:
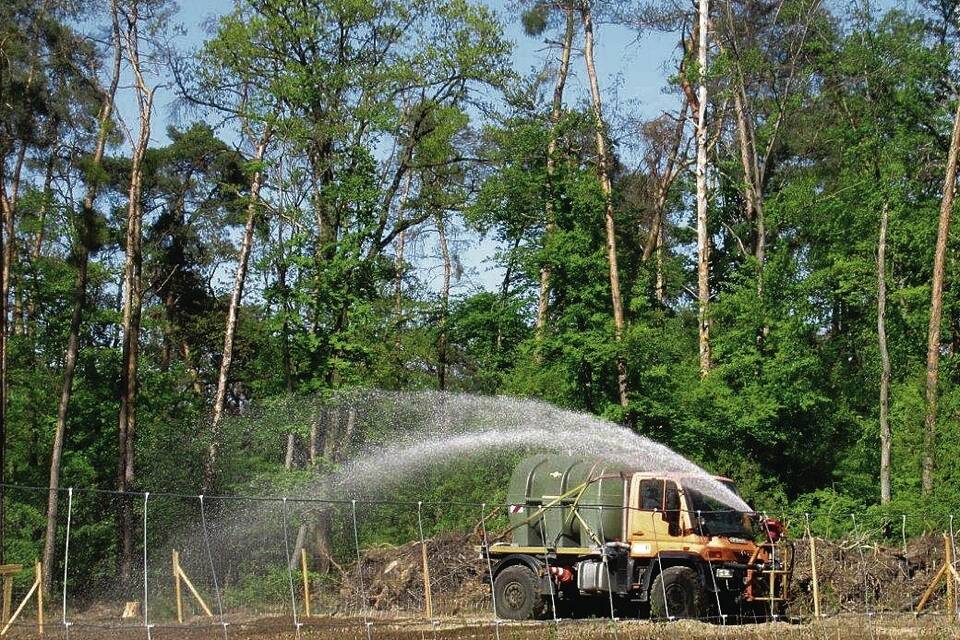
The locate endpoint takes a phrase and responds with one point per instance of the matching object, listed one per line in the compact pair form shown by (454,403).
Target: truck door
(654,513)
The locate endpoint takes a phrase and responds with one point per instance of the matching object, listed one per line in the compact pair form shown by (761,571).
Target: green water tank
(592,488)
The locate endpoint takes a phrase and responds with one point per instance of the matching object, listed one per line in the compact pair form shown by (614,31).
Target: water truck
(591,535)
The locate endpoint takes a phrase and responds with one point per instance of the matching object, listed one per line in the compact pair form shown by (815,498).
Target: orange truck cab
(589,536)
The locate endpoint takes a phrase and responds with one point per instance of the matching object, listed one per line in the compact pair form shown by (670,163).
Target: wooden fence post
(33,589)
(427,595)
(178,575)
(813,577)
(8,571)
(306,582)
(176,585)
(39,574)
(948,561)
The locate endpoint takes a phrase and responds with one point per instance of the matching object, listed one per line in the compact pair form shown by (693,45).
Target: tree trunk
(343,447)
(747,153)
(285,336)
(703,237)
(10,246)
(132,300)
(38,238)
(556,110)
(884,359)
(656,221)
(7,244)
(665,177)
(30,311)
(752,193)
(660,286)
(188,362)
(398,262)
(288,455)
(936,308)
(444,304)
(312,439)
(398,281)
(4,205)
(753,176)
(231,322)
(603,165)
(132,310)
(282,270)
(169,321)
(331,433)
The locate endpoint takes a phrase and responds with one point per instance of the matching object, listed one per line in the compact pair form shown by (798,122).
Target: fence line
(227,574)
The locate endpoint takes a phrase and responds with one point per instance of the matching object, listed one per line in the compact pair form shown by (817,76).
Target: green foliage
(534,20)
(387,119)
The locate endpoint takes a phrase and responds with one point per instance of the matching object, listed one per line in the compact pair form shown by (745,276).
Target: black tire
(517,595)
(676,593)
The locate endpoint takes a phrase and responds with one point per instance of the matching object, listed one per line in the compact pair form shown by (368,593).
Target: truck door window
(651,495)
(671,507)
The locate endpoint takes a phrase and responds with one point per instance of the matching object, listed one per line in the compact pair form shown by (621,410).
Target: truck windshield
(717,518)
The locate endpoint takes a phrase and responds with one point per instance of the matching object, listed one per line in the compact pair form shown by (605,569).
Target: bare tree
(80,292)
(556,110)
(664,160)
(230,326)
(443,338)
(936,308)
(282,267)
(703,236)
(399,258)
(132,281)
(884,358)
(603,168)
(8,207)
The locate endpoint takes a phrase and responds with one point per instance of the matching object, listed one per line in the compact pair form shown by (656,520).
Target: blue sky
(632,72)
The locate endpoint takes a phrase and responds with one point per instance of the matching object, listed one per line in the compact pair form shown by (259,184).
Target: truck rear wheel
(676,593)
(516,592)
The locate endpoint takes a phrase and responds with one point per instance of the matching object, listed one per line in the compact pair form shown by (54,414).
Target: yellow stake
(813,576)
(948,561)
(176,585)
(26,599)
(306,582)
(40,599)
(427,595)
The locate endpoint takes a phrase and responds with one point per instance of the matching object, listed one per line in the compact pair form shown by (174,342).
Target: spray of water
(373,445)
(396,435)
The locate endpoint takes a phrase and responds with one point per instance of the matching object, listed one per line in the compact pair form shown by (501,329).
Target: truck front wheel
(516,593)
(676,593)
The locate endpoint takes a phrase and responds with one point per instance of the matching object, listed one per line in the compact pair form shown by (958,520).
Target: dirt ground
(841,628)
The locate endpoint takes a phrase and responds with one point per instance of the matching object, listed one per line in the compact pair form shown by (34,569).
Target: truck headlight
(724,573)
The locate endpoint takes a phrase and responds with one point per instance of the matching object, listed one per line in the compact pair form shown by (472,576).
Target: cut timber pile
(861,577)
(393,577)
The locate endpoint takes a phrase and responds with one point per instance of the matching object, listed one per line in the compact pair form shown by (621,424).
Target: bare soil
(899,627)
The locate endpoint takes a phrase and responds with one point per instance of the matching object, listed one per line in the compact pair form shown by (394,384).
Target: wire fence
(212,566)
